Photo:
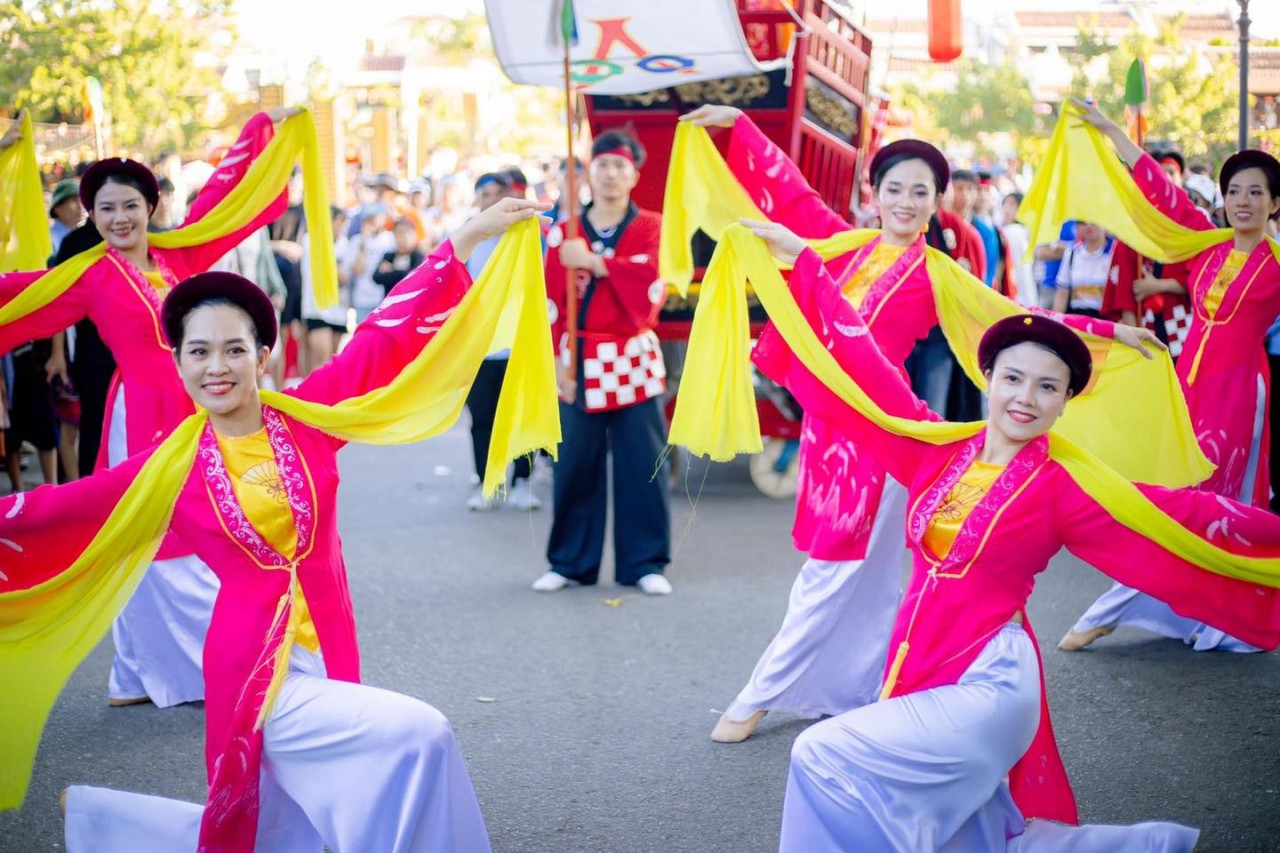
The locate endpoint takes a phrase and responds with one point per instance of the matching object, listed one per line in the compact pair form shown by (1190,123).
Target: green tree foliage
(142,51)
(990,109)
(987,99)
(1191,102)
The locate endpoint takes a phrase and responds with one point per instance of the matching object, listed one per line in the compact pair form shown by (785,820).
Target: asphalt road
(584,715)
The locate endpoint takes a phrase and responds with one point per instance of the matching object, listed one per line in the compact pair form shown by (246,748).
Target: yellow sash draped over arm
(295,138)
(47,630)
(1081,177)
(1116,494)
(24,225)
(1134,416)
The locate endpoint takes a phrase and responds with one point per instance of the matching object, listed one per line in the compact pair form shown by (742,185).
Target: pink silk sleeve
(44,531)
(67,310)
(257,132)
(1168,199)
(394,334)
(776,185)
(842,331)
(1246,610)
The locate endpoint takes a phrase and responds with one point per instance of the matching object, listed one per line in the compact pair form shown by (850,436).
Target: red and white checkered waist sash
(618,372)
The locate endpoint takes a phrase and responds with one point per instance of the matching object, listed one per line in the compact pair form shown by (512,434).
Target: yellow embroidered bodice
(255,478)
(869,272)
(968,491)
(1231,268)
(156,280)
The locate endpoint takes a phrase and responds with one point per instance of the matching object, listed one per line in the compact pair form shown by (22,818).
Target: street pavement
(584,715)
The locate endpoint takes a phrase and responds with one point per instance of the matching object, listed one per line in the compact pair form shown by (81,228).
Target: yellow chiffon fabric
(47,630)
(1081,177)
(1134,415)
(267,177)
(1114,492)
(24,224)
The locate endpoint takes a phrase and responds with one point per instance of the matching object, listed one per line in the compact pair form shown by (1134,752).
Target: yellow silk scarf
(1135,417)
(262,184)
(1115,493)
(47,630)
(1081,177)
(24,224)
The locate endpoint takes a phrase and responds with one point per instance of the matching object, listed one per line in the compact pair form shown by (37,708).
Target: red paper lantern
(946,30)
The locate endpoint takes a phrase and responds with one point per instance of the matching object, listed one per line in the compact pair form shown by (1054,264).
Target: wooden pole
(1243,140)
(571,216)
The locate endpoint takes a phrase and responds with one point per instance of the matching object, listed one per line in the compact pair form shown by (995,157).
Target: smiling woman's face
(120,214)
(220,361)
(908,196)
(1027,391)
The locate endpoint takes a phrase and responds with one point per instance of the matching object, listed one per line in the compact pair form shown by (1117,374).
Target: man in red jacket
(610,387)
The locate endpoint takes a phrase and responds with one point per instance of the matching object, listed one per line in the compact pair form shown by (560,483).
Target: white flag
(623,46)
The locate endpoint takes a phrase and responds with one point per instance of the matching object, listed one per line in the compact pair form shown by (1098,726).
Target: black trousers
(635,438)
(482,402)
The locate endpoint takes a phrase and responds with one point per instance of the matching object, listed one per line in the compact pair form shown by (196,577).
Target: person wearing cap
(828,655)
(159,637)
(610,393)
(256,482)
(65,210)
(958,753)
(1235,295)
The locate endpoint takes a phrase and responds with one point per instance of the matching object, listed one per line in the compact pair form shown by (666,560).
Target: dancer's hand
(1136,337)
(493,221)
(13,134)
(713,115)
(1090,114)
(782,242)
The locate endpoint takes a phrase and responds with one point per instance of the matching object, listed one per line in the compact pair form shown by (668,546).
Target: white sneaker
(655,584)
(479,503)
(552,582)
(522,497)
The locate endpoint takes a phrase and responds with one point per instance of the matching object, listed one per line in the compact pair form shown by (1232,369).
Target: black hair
(125,180)
(963,175)
(890,162)
(165,185)
(1015,195)
(612,139)
(500,178)
(516,177)
(180,327)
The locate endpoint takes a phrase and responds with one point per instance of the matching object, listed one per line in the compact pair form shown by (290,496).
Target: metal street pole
(1244,74)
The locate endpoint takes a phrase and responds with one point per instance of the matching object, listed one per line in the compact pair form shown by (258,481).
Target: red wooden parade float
(814,110)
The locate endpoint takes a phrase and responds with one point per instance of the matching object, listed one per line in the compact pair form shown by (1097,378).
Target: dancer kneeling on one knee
(959,753)
(250,484)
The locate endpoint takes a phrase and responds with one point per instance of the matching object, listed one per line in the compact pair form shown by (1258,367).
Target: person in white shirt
(1018,237)
(1082,278)
(364,253)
